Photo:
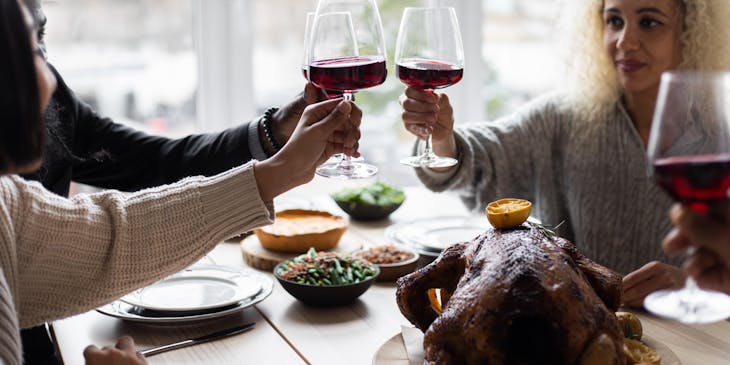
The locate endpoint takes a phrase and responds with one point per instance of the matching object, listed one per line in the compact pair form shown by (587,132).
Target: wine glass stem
(690,286)
(689,293)
(428,150)
(688,300)
(345,163)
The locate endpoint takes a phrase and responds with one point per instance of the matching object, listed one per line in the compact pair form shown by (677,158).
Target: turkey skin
(517,296)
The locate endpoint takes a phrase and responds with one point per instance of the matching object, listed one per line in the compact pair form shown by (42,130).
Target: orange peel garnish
(435,302)
(508,213)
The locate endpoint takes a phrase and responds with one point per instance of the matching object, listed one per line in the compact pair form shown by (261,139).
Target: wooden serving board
(393,352)
(260,258)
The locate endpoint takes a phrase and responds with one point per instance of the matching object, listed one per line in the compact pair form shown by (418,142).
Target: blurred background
(175,67)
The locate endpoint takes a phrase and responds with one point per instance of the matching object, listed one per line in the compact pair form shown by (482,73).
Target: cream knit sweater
(60,257)
(591,174)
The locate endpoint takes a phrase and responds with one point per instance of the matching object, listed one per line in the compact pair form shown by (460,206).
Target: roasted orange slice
(508,213)
(640,354)
(435,302)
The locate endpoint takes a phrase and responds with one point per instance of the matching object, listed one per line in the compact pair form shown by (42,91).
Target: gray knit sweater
(60,257)
(591,174)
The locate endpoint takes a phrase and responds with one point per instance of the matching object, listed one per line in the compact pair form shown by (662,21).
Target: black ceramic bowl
(370,202)
(325,296)
(367,212)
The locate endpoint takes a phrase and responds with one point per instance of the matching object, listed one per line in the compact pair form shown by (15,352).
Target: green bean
(320,269)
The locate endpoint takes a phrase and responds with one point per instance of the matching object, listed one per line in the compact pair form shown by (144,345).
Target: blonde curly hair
(592,77)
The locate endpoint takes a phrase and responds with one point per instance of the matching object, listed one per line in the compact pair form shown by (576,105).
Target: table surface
(288,332)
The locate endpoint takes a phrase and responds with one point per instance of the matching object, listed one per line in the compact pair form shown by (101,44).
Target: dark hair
(21,128)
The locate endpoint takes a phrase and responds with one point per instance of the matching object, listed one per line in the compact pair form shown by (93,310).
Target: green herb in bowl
(325,278)
(374,201)
(325,268)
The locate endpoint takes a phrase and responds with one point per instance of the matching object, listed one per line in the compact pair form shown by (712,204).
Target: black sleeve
(88,148)
(119,157)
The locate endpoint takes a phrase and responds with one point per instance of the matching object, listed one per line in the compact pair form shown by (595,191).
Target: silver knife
(202,339)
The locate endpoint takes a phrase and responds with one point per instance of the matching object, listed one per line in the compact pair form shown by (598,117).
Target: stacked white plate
(200,292)
(430,236)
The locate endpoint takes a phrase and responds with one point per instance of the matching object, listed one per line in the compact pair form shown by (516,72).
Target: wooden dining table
(289,332)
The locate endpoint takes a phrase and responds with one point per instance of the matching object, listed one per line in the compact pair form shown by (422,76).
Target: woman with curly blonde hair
(580,154)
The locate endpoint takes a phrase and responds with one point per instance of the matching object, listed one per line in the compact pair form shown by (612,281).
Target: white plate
(119,309)
(430,236)
(198,288)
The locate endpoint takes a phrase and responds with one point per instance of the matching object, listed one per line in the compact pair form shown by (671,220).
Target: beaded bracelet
(269,128)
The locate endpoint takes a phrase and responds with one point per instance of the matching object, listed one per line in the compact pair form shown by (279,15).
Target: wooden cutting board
(260,258)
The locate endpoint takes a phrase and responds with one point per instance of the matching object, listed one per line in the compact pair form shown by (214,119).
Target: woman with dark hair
(89,148)
(21,136)
(60,257)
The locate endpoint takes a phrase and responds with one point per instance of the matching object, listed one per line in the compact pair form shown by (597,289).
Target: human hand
(123,353)
(326,128)
(427,112)
(710,265)
(647,279)
(286,118)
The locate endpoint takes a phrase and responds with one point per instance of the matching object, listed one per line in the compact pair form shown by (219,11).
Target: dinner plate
(393,352)
(128,312)
(198,288)
(430,236)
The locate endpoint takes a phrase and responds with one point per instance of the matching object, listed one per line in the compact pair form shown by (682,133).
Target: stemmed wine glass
(346,54)
(689,147)
(331,94)
(429,55)
(307,35)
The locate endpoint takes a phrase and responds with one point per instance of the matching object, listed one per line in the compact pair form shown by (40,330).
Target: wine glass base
(338,157)
(429,161)
(702,306)
(356,170)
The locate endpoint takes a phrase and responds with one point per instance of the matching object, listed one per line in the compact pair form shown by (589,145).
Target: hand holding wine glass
(347,53)
(689,147)
(429,55)
(710,266)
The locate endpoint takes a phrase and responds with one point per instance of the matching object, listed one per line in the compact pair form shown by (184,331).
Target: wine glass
(307,35)
(689,147)
(346,54)
(429,55)
(331,94)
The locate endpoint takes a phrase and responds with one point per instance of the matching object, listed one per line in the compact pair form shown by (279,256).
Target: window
(131,60)
(518,52)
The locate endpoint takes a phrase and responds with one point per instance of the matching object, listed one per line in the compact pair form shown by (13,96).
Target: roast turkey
(518,296)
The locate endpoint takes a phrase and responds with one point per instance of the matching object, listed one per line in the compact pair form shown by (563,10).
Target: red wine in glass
(348,73)
(331,94)
(695,180)
(346,53)
(428,74)
(695,173)
(429,55)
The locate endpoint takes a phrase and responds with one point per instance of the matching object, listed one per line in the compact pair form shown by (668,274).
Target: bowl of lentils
(393,261)
(326,278)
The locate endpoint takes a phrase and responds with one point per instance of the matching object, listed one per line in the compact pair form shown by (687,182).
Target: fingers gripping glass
(346,54)
(429,55)
(689,148)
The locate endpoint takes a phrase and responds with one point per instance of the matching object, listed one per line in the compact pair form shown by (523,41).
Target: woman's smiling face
(642,37)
